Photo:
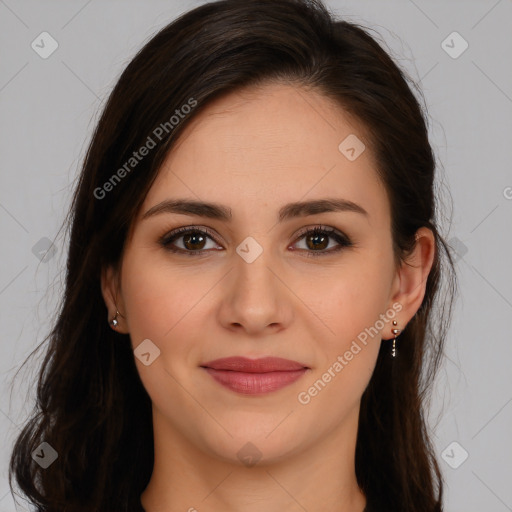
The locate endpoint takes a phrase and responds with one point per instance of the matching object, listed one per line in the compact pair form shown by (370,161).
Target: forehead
(265,146)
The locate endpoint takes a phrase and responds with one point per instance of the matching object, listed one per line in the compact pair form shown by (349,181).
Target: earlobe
(111,295)
(413,274)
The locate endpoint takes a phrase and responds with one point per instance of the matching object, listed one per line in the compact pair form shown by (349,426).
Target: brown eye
(317,241)
(193,241)
(318,238)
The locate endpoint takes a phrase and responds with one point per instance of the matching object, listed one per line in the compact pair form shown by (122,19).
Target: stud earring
(395,332)
(114,322)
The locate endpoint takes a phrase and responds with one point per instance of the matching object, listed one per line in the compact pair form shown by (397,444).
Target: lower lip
(255,383)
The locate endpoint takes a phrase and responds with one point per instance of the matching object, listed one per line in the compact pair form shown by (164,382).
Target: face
(260,283)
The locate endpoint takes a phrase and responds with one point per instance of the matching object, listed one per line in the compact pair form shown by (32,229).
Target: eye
(194,240)
(318,240)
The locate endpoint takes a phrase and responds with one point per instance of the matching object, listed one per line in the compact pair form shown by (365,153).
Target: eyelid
(320,227)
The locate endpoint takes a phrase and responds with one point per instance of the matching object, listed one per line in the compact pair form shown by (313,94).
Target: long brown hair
(91,405)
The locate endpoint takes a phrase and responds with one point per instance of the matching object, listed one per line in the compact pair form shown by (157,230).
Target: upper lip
(262,365)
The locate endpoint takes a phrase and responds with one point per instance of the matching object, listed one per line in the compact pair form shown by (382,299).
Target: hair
(91,406)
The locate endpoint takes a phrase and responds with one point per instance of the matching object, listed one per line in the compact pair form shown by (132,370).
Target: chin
(254,443)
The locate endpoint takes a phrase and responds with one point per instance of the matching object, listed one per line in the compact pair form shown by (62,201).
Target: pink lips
(254,376)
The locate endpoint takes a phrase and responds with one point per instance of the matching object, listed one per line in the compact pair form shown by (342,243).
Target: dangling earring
(114,322)
(396,332)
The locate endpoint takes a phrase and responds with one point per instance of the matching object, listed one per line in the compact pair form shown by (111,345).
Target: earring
(114,322)
(396,332)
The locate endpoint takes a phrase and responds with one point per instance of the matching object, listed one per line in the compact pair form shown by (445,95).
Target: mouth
(254,376)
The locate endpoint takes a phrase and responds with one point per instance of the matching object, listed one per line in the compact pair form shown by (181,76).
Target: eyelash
(339,237)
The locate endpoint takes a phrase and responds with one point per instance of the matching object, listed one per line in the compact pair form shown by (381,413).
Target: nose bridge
(252,267)
(255,295)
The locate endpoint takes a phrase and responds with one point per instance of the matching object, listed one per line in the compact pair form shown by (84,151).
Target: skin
(254,151)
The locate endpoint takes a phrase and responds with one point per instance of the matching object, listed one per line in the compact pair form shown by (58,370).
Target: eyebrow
(223,213)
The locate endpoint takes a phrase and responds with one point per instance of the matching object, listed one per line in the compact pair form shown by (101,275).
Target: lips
(254,376)
(262,365)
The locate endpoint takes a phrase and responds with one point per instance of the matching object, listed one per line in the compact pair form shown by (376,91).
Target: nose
(255,297)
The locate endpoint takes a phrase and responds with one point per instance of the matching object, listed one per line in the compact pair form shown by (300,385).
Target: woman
(254,265)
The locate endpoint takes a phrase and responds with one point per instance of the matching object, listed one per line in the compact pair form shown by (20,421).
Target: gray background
(48,110)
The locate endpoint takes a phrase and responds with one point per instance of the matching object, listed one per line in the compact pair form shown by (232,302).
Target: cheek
(166,304)
(160,305)
(155,298)
(353,309)
(144,308)
(358,297)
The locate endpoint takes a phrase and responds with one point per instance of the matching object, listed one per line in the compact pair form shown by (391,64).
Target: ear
(112,296)
(410,281)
